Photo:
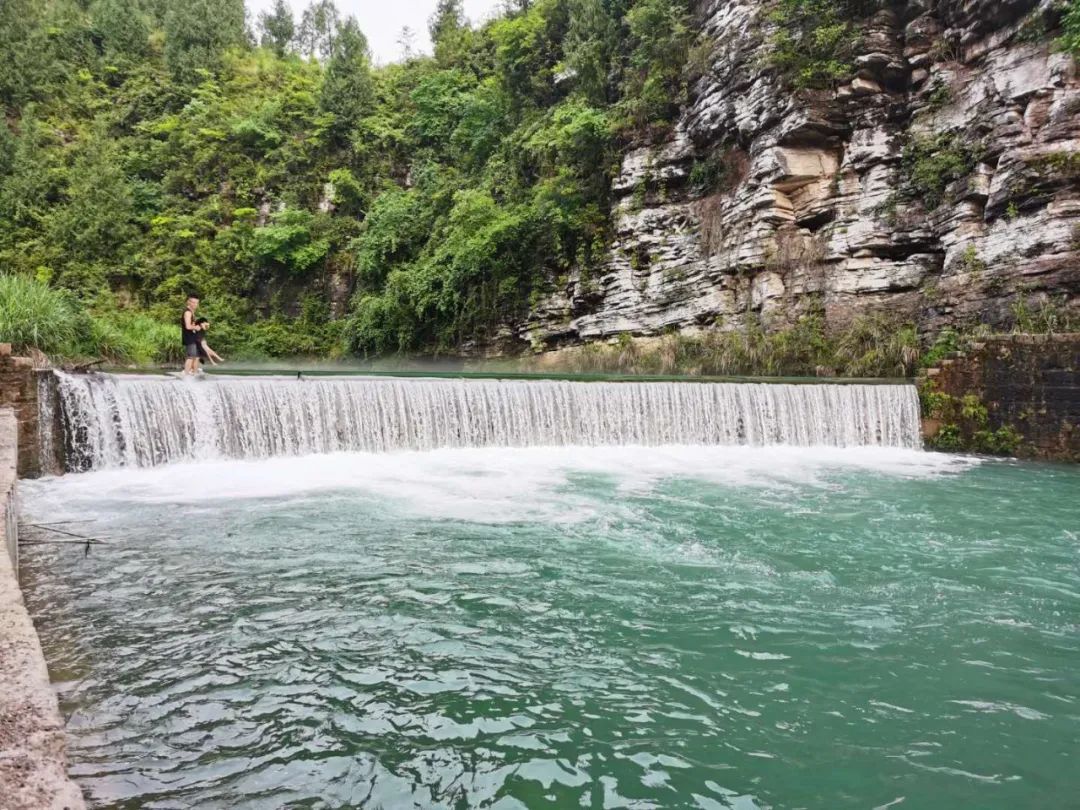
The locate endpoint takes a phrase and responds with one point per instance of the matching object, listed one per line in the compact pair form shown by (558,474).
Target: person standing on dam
(190,335)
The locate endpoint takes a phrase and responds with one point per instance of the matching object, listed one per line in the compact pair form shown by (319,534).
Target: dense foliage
(814,41)
(153,148)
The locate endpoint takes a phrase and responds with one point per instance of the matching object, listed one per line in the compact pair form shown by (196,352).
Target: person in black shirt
(190,335)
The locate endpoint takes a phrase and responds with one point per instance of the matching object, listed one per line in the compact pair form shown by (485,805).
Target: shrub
(930,164)
(965,424)
(1070,29)
(148,340)
(877,346)
(814,41)
(947,342)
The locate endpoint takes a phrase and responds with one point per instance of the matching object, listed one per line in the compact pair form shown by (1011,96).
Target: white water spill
(487,485)
(113,421)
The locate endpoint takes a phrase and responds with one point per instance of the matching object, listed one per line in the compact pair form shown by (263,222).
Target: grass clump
(1046,316)
(35,316)
(871,346)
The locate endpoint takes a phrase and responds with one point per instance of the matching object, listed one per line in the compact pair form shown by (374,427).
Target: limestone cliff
(763,201)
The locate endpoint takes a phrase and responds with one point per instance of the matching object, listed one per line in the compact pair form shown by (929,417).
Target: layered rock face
(764,202)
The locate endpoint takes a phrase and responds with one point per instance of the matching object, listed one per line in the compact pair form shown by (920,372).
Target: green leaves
(930,164)
(296,240)
(814,41)
(150,147)
(1070,28)
(197,34)
(347,90)
(653,85)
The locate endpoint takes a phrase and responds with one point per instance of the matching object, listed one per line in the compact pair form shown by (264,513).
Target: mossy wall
(1010,395)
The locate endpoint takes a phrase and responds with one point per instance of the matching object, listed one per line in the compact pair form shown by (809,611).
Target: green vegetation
(150,149)
(931,163)
(970,261)
(1044,316)
(814,41)
(34,316)
(1070,28)
(964,424)
(1059,165)
(872,346)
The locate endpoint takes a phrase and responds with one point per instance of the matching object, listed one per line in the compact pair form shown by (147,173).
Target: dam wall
(33,758)
(19,391)
(1024,389)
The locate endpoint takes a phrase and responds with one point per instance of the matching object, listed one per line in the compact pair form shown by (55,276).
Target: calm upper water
(601,628)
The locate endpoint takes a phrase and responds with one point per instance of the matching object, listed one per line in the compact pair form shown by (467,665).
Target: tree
(407,42)
(653,85)
(278,28)
(445,27)
(122,26)
(591,48)
(318,29)
(197,34)
(22,53)
(347,87)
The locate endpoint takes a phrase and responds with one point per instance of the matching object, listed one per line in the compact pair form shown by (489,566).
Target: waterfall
(117,420)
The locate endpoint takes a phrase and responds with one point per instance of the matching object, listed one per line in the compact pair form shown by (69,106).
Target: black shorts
(191,350)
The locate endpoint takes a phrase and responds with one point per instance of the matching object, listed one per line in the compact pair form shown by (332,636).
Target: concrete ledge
(33,759)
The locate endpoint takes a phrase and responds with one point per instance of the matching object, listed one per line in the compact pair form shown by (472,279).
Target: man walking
(190,335)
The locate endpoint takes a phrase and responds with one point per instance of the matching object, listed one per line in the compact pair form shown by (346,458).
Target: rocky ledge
(940,184)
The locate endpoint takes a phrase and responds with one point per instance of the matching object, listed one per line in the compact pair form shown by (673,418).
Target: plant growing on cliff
(929,164)
(1070,28)
(1044,316)
(964,424)
(969,261)
(876,345)
(814,42)
(654,83)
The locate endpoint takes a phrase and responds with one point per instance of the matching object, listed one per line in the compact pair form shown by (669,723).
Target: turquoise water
(625,627)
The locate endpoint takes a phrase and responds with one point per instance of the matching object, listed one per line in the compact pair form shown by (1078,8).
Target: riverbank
(33,758)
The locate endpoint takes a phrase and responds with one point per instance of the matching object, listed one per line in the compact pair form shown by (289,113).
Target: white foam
(115,421)
(478,484)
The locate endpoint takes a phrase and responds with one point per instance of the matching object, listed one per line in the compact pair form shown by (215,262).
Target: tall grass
(871,346)
(35,316)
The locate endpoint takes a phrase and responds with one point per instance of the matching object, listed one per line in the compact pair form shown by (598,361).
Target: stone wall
(33,760)
(811,205)
(19,391)
(1029,384)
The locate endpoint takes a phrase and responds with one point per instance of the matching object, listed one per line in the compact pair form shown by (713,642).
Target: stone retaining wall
(19,391)
(33,760)
(1028,384)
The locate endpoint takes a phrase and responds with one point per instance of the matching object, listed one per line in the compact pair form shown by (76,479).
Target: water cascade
(110,421)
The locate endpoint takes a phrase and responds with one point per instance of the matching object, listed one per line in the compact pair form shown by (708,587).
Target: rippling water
(625,627)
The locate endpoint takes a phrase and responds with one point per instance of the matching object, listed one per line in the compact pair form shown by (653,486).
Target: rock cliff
(941,183)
